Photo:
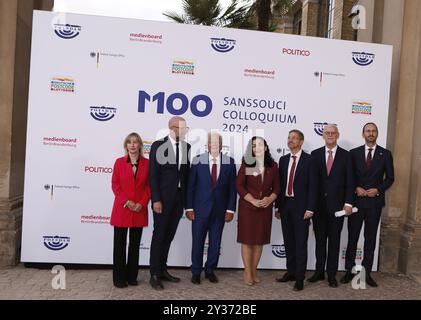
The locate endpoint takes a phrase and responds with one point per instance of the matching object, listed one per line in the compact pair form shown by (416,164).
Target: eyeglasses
(181,128)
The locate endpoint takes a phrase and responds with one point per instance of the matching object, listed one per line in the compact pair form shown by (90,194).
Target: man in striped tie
(332,170)
(295,206)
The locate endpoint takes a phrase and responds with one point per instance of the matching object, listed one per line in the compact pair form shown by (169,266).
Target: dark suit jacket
(202,196)
(337,188)
(304,184)
(163,173)
(380,175)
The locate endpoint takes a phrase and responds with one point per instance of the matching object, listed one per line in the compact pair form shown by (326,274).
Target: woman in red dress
(258,186)
(130,213)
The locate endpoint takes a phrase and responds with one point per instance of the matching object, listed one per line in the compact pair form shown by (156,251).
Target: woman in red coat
(258,186)
(131,189)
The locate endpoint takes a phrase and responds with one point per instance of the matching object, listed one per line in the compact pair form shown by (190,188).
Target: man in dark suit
(332,169)
(374,174)
(168,173)
(211,201)
(295,206)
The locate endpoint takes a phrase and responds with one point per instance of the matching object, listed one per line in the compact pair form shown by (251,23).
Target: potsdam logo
(62,84)
(319,127)
(279,250)
(183,67)
(360,107)
(102,113)
(362,58)
(67,31)
(55,242)
(222,44)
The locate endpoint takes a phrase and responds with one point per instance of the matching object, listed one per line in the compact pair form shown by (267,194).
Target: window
(331,14)
(296,22)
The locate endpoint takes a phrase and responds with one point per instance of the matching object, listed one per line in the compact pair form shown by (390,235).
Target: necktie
(214,172)
(177,155)
(329,162)
(369,158)
(291,175)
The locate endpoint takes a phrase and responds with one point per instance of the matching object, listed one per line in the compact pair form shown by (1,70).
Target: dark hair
(300,134)
(249,159)
(368,123)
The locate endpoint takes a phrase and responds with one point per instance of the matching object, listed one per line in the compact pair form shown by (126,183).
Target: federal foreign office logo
(279,251)
(56,242)
(67,31)
(363,59)
(222,45)
(102,113)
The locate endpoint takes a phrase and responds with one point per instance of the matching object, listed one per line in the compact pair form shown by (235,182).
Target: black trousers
(164,228)
(327,229)
(126,271)
(371,219)
(295,233)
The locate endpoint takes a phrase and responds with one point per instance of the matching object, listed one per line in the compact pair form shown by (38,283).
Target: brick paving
(31,283)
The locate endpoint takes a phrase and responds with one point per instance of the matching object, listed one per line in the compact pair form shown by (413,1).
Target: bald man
(168,173)
(332,169)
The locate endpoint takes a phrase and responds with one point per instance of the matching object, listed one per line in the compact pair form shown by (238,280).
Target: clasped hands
(136,207)
(191,215)
(371,193)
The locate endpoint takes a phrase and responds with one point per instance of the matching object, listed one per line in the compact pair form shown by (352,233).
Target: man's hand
(361,192)
(348,210)
(157,207)
(308,215)
(277,214)
(190,215)
(229,216)
(371,193)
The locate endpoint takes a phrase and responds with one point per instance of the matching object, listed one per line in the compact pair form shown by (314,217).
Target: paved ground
(30,283)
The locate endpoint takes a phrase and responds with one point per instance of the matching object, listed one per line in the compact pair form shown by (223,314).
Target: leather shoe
(286,277)
(299,285)
(195,279)
(211,277)
(332,282)
(167,277)
(120,285)
(156,283)
(347,278)
(370,281)
(133,283)
(317,276)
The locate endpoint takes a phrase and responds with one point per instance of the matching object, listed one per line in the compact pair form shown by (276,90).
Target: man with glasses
(169,166)
(332,169)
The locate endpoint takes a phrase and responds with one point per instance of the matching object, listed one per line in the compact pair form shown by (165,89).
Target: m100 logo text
(176,104)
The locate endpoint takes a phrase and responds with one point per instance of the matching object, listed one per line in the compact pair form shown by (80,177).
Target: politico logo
(296,52)
(95,169)
(56,242)
(222,45)
(279,251)
(67,31)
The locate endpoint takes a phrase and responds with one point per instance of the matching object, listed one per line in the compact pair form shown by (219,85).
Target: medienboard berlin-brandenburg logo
(67,31)
(222,44)
(102,113)
(362,58)
(56,242)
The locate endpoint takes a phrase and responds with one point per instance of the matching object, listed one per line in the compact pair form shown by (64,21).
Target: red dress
(255,224)
(128,187)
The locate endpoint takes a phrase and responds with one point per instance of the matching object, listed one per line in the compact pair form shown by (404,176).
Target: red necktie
(214,172)
(291,176)
(369,158)
(329,162)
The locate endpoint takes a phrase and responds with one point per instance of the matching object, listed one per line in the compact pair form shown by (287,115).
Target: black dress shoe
(317,276)
(120,284)
(167,277)
(299,285)
(133,283)
(195,279)
(370,281)
(347,278)
(211,277)
(286,277)
(156,283)
(332,282)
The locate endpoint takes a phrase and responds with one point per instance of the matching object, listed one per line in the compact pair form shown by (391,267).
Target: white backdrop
(96,79)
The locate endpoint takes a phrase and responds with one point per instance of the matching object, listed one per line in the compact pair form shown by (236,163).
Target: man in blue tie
(211,201)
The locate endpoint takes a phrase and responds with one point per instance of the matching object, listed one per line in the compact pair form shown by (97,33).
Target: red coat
(126,187)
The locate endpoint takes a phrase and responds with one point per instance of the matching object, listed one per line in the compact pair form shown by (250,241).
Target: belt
(290,198)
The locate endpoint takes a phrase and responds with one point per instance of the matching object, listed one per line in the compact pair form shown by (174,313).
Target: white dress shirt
(372,152)
(180,150)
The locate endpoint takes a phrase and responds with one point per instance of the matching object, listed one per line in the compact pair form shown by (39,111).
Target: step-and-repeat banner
(95,79)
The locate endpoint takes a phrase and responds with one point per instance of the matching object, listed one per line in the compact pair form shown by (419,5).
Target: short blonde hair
(137,137)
